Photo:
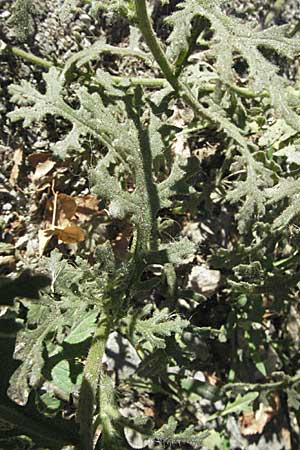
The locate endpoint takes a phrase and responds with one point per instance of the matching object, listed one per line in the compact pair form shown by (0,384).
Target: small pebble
(7,207)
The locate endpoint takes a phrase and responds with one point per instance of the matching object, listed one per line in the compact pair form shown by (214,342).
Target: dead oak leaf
(87,207)
(62,208)
(71,234)
(66,207)
(254,422)
(179,145)
(38,157)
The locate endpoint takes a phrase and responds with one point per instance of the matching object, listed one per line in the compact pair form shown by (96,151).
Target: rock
(203,280)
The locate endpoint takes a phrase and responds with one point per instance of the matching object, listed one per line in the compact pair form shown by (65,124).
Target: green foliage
(62,377)
(240,404)
(220,97)
(231,37)
(155,329)
(48,320)
(235,41)
(84,122)
(93,52)
(167,435)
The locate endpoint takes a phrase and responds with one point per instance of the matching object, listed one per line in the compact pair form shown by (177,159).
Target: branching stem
(151,40)
(148,82)
(180,88)
(284,383)
(154,45)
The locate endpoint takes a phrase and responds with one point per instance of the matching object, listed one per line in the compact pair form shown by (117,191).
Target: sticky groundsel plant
(224,72)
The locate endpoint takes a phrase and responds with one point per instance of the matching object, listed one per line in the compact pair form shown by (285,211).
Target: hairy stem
(146,189)
(181,90)
(109,414)
(90,383)
(285,383)
(147,226)
(30,57)
(154,45)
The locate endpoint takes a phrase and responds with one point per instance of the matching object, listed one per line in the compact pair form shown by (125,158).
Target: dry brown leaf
(44,238)
(21,241)
(48,213)
(84,208)
(70,234)
(66,207)
(149,411)
(254,422)
(293,324)
(38,157)
(212,378)
(18,159)
(87,207)
(62,209)
(43,169)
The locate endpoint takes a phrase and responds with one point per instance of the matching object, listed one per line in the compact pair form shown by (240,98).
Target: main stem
(90,384)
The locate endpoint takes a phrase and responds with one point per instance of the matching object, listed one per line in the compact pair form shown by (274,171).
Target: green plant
(221,73)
